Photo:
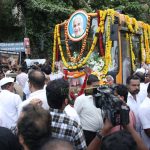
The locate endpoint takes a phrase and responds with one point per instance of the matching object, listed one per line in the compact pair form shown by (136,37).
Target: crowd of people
(36,112)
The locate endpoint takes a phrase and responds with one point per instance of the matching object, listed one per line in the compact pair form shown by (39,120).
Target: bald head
(56,144)
(37,79)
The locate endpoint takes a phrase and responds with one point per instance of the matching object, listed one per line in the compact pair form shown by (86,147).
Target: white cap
(6,80)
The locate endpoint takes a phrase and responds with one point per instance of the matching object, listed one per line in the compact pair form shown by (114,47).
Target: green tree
(36,18)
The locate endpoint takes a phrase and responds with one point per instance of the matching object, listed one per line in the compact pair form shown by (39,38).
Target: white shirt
(26,90)
(143,91)
(90,116)
(134,106)
(70,111)
(39,94)
(144,116)
(9,102)
(22,78)
(54,76)
(4,121)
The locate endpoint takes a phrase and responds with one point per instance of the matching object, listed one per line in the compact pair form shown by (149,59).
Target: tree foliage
(38,18)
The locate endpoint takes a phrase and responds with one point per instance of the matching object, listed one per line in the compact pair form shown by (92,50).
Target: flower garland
(73,59)
(132,53)
(83,62)
(142,48)
(102,15)
(101,22)
(108,46)
(146,42)
(130,23)
(54,49)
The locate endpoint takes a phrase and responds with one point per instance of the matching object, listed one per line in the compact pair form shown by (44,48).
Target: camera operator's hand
(107,127)
(135,135)
(37,102)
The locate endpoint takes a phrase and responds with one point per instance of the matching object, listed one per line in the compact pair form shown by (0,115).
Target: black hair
(132,77)
(92,78)
(37,78)
(23,69)
(122,90)
(34,126)
(55,144)
(57,91)
(46,69)
(121,140)
(141,76)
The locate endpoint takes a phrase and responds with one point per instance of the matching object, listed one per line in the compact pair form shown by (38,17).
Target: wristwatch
(99,135)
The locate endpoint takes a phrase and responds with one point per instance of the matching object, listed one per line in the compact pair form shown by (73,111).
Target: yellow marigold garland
(54,49)
(132,53)
(102,20)
(84,60)
(142,48)
(131,24)
(108,45)
(146,42)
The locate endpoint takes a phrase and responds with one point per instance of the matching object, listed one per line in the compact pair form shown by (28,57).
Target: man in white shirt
(9,103)
(133,100)
(22,77)
(36,86)
(90,116)
(143,85)
(144,116)
(70,111)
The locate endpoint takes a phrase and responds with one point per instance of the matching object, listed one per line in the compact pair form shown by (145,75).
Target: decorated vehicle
(107,41)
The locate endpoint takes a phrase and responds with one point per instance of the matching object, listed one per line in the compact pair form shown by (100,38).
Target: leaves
(38,18)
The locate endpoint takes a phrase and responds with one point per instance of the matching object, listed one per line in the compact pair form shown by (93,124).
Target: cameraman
(90,116)
(127,139)
(121,92)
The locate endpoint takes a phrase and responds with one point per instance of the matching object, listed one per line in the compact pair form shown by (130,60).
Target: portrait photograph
(77,25)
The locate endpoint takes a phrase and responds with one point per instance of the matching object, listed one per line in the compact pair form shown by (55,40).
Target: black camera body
(114,109)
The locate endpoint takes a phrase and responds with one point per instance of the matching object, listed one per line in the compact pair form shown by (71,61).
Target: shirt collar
(56,110)
(36,92)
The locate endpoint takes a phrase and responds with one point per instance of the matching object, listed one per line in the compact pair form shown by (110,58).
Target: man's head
(78,25)
(57,92)
(36,80)
(141,76)
(21,69)
(147,78)
(34,126)
(110,80)
(121,91)
(133,84)
(92,80)
(121,140)
(46,69)
(7,83)
(56,144)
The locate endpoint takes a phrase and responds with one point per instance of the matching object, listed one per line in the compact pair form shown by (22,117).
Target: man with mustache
(133,100)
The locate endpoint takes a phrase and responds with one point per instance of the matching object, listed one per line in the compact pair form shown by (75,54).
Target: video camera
(114,109)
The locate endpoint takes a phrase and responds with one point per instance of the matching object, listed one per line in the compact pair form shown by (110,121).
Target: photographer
(127,139)
(121,92)
(90,116)
(116,113)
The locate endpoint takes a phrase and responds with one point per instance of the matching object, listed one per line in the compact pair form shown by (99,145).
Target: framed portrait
(77,25)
